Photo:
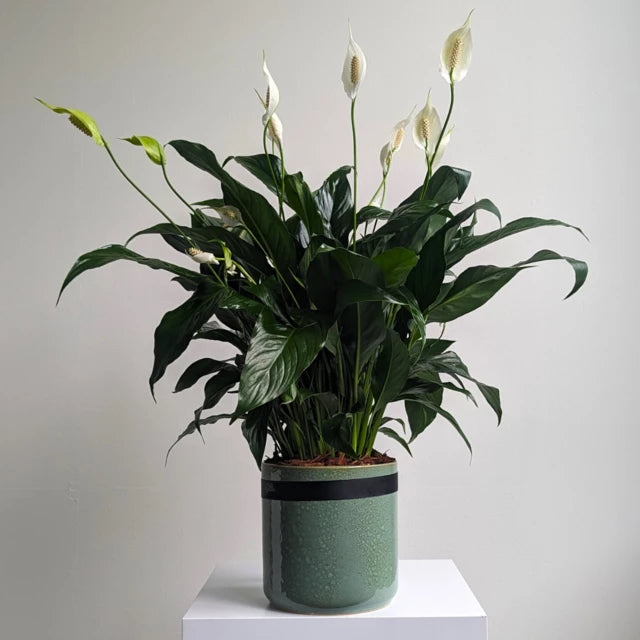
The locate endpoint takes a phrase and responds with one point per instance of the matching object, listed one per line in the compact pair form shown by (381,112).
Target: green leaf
(80,120)
(390,433)
(447,184)
(254,429)
(212,331)
(216,388)
(354,291)
(258,166)
(391,370)
(373,330)
(331,268)
(426,278)
(192,428)
(580,268)
(197,370)
(211,203)
(470,290)
(473,243)
(276,358)
(449,363)
(372,213)
(113,252)
(336,431)
(211,239)
(333,200)
(299,198)
(492,396)
(420,398)
(476,285)
(419,416)
(152,148)
(396,264)
(176,329)
(259,217)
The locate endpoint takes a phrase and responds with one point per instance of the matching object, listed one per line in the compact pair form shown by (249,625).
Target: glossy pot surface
(329,537)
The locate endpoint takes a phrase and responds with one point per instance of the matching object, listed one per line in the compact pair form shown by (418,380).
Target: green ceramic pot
(329,537)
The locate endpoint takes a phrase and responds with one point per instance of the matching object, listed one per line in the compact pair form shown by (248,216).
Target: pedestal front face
(330,553)
(433,601)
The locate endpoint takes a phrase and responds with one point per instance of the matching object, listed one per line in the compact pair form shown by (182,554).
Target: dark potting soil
(335,461)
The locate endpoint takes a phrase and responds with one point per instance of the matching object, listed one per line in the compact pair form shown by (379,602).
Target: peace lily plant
(335,305)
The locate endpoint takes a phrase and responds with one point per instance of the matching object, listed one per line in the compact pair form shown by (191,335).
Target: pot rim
(329,466)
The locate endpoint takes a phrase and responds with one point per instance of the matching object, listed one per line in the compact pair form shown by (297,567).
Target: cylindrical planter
(329,537)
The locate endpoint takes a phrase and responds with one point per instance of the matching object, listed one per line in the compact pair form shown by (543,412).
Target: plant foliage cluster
(332,309)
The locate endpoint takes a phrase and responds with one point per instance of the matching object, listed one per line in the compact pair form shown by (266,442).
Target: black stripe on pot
(330,489)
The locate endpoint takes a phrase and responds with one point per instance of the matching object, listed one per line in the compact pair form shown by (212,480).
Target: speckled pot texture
(329,556)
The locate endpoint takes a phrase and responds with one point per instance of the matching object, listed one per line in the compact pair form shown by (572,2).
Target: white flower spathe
(272,97)
(354,68)
(455,56)
(201,257)
(427,127)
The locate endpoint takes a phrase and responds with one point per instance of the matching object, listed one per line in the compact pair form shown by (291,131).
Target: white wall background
(97,538)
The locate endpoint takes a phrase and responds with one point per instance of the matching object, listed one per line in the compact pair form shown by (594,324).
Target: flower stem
(279,191)
(152,203)
(196,212)
(355,173)
(442,132)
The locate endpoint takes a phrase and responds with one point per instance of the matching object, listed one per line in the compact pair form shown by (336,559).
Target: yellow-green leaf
(151,146)
(80,120)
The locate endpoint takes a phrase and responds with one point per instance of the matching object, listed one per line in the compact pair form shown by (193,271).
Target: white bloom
(274,130)
(397,135)
(443,145)
(230,216)
(385,157)
(455,56)
(272,98)
(427,127)
(202,257)
(395,142)
(354,68)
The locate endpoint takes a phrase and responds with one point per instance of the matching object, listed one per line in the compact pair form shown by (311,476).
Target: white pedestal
(433,603)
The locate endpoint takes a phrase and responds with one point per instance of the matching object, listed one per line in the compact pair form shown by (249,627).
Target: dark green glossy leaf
(391,370)
(334,203)
(213,331)
(112,253)
(192,428)
(476,285)
(425,279)
(396,264)
(421,399)
(429,367)
(372,213)
(263,167)
(255,428)
(197,370)
(300,199)
(217,386)
(331,268)
(447,184)
(468,245)
(336,431)
(579,267)
(470,290)
(390,433)
(420,416)
(277,356)
(373,330)
(211,239)
(260,218)
(177,328)
(211,203)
